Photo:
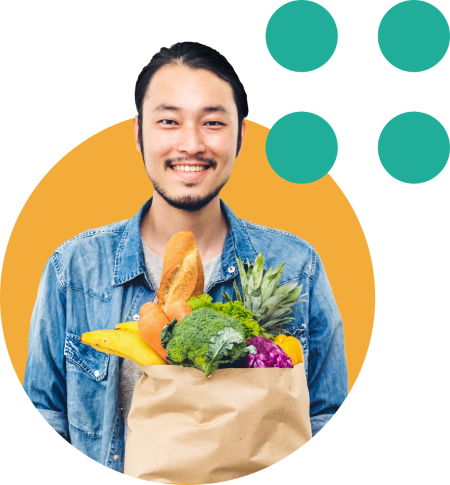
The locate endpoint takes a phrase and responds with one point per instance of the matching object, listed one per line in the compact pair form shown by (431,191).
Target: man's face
(189,133)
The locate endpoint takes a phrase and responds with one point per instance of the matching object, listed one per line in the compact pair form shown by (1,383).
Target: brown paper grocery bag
(185,427)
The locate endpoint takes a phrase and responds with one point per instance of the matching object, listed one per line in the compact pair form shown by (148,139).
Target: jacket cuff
(57,421)
(318,422)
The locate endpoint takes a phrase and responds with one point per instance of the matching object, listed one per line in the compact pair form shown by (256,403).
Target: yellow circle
(103,180)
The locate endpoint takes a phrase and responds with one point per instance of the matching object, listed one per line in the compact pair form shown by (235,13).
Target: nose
(190,140)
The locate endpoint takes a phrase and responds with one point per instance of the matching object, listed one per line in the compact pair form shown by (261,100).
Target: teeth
(190,168)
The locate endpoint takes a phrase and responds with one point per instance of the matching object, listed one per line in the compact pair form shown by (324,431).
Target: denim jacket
(99,279)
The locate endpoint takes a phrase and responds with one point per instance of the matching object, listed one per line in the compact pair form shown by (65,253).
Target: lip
(190,175)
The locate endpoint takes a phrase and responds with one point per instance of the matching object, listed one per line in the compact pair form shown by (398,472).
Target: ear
(136,133)
(243,132)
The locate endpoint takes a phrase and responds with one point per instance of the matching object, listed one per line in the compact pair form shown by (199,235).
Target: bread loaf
(182,275)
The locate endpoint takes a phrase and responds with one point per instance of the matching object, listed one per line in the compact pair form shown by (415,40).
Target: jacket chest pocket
(86,376)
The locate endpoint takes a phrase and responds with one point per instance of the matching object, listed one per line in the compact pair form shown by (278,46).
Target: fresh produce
(182,275)
(291,346)
(187,328)
(269,305)
(151,325)
(128,327)
(178,310)
(202,301)
(233,309)
(123,344)
(268,354)
(146,308)
(204,339)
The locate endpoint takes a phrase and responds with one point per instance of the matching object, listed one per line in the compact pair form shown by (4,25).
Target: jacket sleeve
(327,364)
(45,374)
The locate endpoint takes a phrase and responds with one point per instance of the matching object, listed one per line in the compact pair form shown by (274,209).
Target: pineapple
(270,305)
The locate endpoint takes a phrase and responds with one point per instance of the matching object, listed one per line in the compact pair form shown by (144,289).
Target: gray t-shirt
(129,371)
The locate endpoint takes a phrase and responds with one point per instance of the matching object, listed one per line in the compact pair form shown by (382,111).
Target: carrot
(178,310)
(153,320)
(146,308)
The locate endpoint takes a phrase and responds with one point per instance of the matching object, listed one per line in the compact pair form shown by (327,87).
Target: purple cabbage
(268,354)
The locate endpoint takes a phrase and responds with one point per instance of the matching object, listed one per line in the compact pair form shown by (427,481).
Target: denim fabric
(99,279)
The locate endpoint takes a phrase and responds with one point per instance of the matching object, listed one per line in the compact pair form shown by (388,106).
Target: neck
(162,221)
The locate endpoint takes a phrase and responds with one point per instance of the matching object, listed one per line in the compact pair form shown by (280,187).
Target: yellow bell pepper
(292,347)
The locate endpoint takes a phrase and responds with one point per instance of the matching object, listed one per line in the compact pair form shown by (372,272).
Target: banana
(129,327)
(123,344)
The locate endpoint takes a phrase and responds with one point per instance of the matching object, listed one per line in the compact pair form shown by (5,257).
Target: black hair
(194,56)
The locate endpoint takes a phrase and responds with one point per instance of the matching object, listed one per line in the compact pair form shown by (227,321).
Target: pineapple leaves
(277,329)
(279,271)
(261,315)
(286,288)
(250,281)
(294,293)
(277,321)
(242,273)
(280,312)
(266,313)
(258,270)
(255,298)
(245,285)
(238,293)
(269,305)
(268,284)
(274,300)
(226,296)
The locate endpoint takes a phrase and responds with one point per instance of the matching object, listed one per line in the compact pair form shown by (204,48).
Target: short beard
(189,203)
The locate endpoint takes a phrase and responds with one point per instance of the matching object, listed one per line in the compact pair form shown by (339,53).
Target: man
(189,128)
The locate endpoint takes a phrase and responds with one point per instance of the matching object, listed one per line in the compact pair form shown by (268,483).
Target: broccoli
(205,339)
(234,309)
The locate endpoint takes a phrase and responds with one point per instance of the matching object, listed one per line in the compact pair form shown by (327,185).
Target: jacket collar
(130,261)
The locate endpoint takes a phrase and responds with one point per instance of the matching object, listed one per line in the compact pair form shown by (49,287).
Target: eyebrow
(207,109)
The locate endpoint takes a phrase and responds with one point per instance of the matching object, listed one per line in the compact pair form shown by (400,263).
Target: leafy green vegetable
(222,345)
(205,339)
(233,309)
(166,333)
(202,301)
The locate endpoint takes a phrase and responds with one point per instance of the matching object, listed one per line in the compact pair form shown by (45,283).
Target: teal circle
(413,36)
(413,147)
(301,147)
(301,36)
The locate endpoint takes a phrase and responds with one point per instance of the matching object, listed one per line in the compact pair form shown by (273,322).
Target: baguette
(182,276)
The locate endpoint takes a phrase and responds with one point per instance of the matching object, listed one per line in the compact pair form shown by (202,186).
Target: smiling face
(189,135)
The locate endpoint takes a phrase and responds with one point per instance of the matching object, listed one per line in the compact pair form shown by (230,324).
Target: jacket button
(231,269)
(96,373)
(116,457)
(136,317)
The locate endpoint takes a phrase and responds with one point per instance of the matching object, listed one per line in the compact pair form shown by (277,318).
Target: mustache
(210,161)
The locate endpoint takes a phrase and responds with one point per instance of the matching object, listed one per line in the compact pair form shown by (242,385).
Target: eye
(208,123)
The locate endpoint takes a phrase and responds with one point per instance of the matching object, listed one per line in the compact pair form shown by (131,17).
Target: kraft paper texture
(185,427)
